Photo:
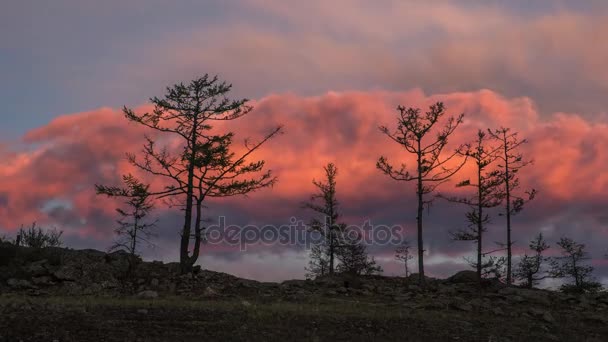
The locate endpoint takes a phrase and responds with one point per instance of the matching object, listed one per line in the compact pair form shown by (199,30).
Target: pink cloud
(73,152)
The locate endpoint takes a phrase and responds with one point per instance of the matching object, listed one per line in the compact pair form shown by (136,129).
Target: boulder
(43,281)
(463,277)
(147,294)
(210,292)
(19,284)
(66,273)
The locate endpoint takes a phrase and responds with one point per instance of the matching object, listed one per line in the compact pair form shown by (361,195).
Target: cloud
(51,179)
(442,47)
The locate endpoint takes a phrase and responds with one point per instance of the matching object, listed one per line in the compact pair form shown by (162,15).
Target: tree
(413,131)
(571,265)
(205,165)
(132,228)
(354,259)
(36,237)
(325,202)
(404,255)
(530,268)
(488,194)
(511,163)
(318,265)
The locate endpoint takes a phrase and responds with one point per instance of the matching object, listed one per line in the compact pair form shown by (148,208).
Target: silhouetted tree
(132,227)
(511,162)
(36,237)
(353,257)
(207,165)
(488,194)
(530,268)
(404,255)
(318,265)
(572,265)
(325,202)
(413,131)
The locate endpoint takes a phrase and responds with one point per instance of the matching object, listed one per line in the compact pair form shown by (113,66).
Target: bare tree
(530,269)
(404,255)
(132,226)
(511,162)
(432,167)
(325,202)
(488,194)
(572,265)
(204,165)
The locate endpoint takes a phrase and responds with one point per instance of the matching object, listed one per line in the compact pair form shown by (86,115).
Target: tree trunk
(184,258)
(479,223)
(508,199)
(331,252)
(419,219)
(197,234)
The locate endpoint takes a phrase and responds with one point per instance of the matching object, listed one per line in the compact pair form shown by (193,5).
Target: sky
(331,72)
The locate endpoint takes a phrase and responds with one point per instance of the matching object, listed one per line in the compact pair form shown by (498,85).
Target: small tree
(132,228)
(36,237)
(354,259)
(530,269)
(488,194)
(572,265)
(325,202)
(511,163)
(404,255)
(413,132)
(318,265)
(205,164)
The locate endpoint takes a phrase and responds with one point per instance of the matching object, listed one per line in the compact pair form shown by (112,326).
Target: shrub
(36,237)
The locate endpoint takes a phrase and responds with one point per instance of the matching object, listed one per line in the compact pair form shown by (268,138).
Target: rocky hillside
(55,272)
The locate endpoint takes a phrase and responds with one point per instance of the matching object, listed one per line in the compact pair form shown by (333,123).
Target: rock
(154,282)
(462,306)
(43,281)
(413,288)
(463,277)
(497,311)
(292,283)
(547,317)
(597,318)
(19,284)
(37,268)
(516,299)
(536,311)
(142,311)
(210,292)
(148,294)
(246,303)
(66,273)
(445,289)
(530,295)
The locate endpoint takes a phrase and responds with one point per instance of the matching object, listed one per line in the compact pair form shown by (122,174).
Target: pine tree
(488,194)
(511,163)
(354,259)
(571,265)
(205,164)
(404,255)
(325,202)
(132,226)
(432,168)
(530,269)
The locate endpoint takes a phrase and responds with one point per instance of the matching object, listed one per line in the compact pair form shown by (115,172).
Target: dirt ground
(178,319)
